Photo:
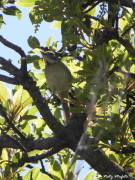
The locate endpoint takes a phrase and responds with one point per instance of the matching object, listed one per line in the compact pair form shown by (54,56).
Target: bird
(59,79)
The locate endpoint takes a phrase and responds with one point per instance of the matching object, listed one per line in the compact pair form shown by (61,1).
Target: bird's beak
(43,53)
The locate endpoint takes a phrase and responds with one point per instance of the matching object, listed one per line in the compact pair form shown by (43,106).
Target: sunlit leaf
(32,58)
(90,176)
(32,173)
(49,41)
(56,170)
(12,10)
(25,3)
(115,115)
(3,92)
(57,24)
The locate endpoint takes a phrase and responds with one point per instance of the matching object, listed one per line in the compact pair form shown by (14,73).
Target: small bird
(59,79)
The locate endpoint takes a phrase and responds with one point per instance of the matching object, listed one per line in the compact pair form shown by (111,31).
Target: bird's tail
(65,106)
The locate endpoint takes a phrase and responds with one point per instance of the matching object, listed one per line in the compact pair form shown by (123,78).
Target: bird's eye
(51,54)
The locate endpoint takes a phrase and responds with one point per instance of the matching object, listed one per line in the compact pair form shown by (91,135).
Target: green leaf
(115,108)
(40,75)
(66,163)
(56,170)
(57,113)
(57,24)
(25,127)
(71,38)
(21,98)
(115,115)
(33,42)
(3,92)
(33,110)
(35,16)
(49,41)
(132,143)
(4,155)
(90,176)
(25,3)
(42,176)
(92,12)
(33,172)
(1,20)
(38,64)
(54,45)
(12,10)
(32,58)
(28,117)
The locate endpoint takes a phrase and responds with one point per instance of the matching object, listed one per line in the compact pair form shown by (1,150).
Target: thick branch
(32,144)
(12,46)
(34,92)
(70,137)
(41,104)
(30,86)
(8,80)
(8,67)
(92,155)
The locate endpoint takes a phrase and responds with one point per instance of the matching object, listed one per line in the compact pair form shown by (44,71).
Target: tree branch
(128,29)
(44,171)
(92,154)
(131,75)
(12,46)
(125,3)
(8,80)
(3,114)
(19,51)
(93,5)
(32,144)
(41,104)
(126,43)
(14,141)
(8,67)
(30,86)
(27,82)
(33,158)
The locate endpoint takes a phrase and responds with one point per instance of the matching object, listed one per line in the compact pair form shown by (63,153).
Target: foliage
(103,87)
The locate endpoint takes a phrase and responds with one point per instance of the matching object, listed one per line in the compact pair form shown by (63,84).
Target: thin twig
(33,158)
(126,43)
(128,29)
(132,75)
(44,171)
(94,5)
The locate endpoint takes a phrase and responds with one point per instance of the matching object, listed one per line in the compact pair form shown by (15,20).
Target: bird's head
(49,56)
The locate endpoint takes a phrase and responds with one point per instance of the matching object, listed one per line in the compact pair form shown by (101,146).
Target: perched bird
(58,78)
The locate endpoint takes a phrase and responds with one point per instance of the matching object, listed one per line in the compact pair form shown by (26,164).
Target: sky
(17,32)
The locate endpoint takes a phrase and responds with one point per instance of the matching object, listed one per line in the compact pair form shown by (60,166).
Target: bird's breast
(58,77)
